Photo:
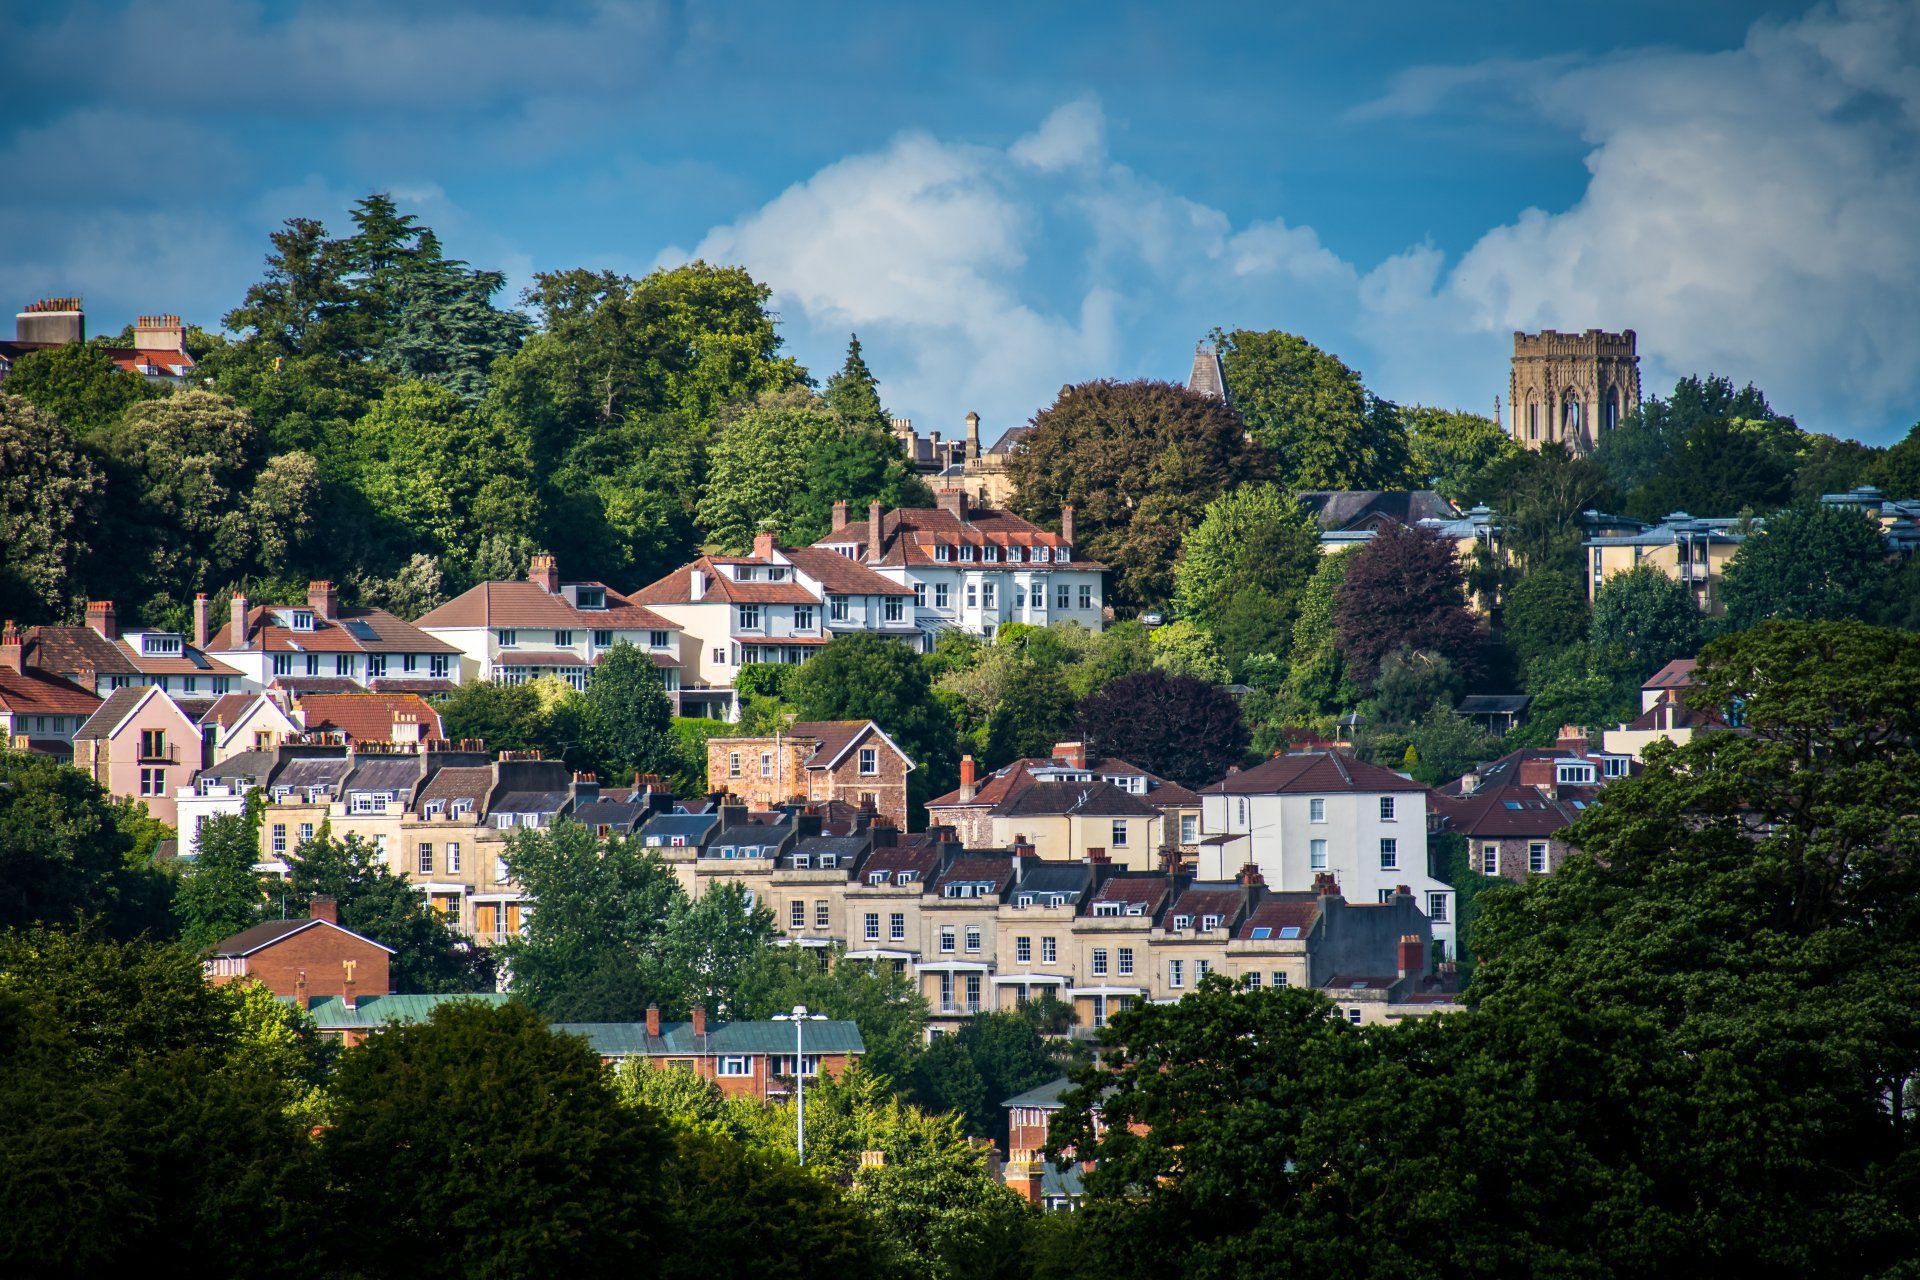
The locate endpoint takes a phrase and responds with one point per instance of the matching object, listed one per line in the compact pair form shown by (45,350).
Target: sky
(1005,198)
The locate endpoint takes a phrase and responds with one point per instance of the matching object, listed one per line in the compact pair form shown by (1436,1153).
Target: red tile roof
(349,631)
(1147,890)
(1677,674)
(908,535)
(527,604)
(677,587)
(35,693)
(368,717)
(1496,812)
(843,577)
(1312,772)
(1199,900)
(1277,911)
(68,651)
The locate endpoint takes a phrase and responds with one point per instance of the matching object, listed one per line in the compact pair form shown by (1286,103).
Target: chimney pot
(1066,524)
(323,600)
(13,648)
(237,620)
(101,618)
(763,545)
(839,515)
(1250,874)
(1413,955)
(1097,856)
(544,572)
(300,989)
(968,777)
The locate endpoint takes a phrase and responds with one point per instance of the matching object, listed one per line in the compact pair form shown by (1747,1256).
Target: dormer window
(1065,553)
(990,553)
(966,553)
(877,879)
(1023,900)
(1183,922)
(1136,909)
(1013,555)
(592,598)
(1209,922)
(942,552)
(1041,555)
(159,642)
(905,877)
(300,620)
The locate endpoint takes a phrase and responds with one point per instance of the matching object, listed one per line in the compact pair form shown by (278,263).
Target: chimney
(653,1021)
(973,436)
(1413,955)
(57,321)
(1072,754)
(873,533)
(1326,884)
(324,907)
(954,503)
(696,584)
(237,620)
(1250,874)
(1022,847)
(13,649)
(349,999)
(323,600)
(300,990)
(100,617)
(839,515)
(1469,783)
(543,571)
(200,620)
(1066,524)
(159,333)
(967,778)
(699,1016)
(1573,738)
(763,545)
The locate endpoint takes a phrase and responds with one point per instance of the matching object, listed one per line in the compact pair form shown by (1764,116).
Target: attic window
(1041,555)
(1106,908)
(877,878)
(828,861)
(1013,555)
(1136,908)
(990,553)
(1024,900)
(1514,805)
(905,877)
(1261,931)
(941,552)
(462,806)
(159,642)
(300,620)
(1183,922)
(592,598)
(966,552)
(1209,922)
(801,862)
(1290,931)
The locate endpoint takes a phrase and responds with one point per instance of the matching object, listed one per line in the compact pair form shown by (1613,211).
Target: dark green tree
(1649,616)
(51,497)
(1253,540)
(1634,452)
(854,393)
(626,717)
(1541,494)
(1721,468)
(1896,473)
(70,853)
(304,305)
(1811,561)
(863,676)
(1036,709)
(1545,612)
(1138,462)
(428,955)
(78,384)
(620,506)
(884,1003)
(1177,727)
(221,893)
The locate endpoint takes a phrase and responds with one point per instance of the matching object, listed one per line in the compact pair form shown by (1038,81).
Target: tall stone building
(1571,387)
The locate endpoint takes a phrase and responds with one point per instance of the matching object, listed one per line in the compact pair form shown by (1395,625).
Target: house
(1690,549)
(219,790)
(884,899)
(1054,1186)
(1297,815)
(370,717)
(776,604)
(143,745)
(758,1060)
(159,350)
(806,890)
(852,761)
(974,567)
(1666,713)
(997,813)
(38,712)
(979,473)
(100,657)
(1034,926)
(303,958)
(512,632)
(319,646)
(1511,831)
(241,722)
(959,934)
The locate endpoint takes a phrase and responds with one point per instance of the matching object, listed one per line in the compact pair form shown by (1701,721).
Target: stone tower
(1571,387)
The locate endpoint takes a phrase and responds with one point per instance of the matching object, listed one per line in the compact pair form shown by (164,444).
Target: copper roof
(527,604)
(1311,772)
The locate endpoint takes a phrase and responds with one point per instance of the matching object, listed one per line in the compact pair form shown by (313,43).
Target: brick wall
(319,951)
(1512,857)
(848,785)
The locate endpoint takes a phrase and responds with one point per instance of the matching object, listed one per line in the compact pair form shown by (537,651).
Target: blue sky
(1005,198)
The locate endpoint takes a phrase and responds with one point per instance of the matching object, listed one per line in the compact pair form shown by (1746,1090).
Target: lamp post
(800,1018)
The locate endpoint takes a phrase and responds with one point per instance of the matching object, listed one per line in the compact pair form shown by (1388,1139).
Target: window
(1176,973)
(872,933)
(1099,962)
(966,552)
(1317,855)
(437,666)
(869,760)
(1209,922)
(1317,809)
(153,744)
(1119,833)
(942,553)
(1437,907)
(809,1066)
(301,620)
(733,764)
(897,926)
(1049,951)
(343,664)
(1189,828)
(766,764)
(973,937)
(283,664)
(892,610)
(1125,957)
(508,637)
(986,593)
(719,656)
(501,873)
(1201,968)
(376,665)
(1063,598)
(1183,922)
(748,617)
(822,913)
(796,914)
(946,939)
(426,860)
(409,662)
(990,553)
(279,837)
(735,1064)
(1353,1016)
(1389,854)
(153,782)
(1537,856)
(803,618)
(1279,978)
(1023,950)
(939,595)
(973,595)
(1242,807)
(1086,597)
(1616,766)
(563,639)
(1386,809)
(1489,859)
(919,595)
(313,664)
(1386,897)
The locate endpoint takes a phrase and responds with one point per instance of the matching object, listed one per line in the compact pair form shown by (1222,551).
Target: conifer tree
(854,393)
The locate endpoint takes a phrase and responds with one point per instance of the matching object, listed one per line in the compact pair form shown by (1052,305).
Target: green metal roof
(330,1013)
(630,1039)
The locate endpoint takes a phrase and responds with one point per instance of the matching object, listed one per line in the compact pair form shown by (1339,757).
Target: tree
(1404,591)
(445,329)
(1545,612)
(753,462)
(507,717)
(1542,494)
(1633,453)
(50,498)
(221,893)
(68,852)
(1452,452)
(621,502)
(1312,412)
(1180,728)
(1897,472)
(883,1002)
(449,1182)
(1721,467)
(709,947)
(1253,540)
(1179,648)
(625,719)
(1647,615)
(304,305)
(1448,744)
(1830,465)
(854,393)
(78,384)
(372,900)
(1583,686)
(863,676)
(1811,561)
(1035,710)
(1138,462)
(1410,684)
(857,465)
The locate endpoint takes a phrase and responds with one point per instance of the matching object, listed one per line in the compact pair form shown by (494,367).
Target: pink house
(142,745)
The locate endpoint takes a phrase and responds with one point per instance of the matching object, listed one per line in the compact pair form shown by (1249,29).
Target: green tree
(1830,465)
(1325,431)
(1448,744)
(69,852)
(1897,472)
(1255,539)
(863,676)
(1138,462)
(858,465)
(621,502)
(884,1003)
(625,720)
(1634,452)
(1404,590)
(1582,685)
(1540,496)
(444,328)
(446,1181)
(78,384)
(1545,612)
(507,717)
(1811,561)
(372,900)
(1182,649)
(754,459)
(1452,452)
(708,949)
(51,496)
(1722,467)
(854,393)
(304,305)
(1648,615)
(221,893)
(1034,711)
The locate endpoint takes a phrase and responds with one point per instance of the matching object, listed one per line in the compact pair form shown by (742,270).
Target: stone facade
(1571,388)
(851,761)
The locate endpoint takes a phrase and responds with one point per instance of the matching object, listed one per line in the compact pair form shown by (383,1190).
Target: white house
(974,567)
(319,647)
(1300,815)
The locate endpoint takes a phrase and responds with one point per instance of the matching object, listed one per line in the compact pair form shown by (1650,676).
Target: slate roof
(1278,912)
(1095,799)
(1206,377)
(676,1039)
(1357,508)
(33,692)
(1312,773)
(117,707)
(527,604)
(1046,1097)
(529,802)
(368,717)
(844,848)
(247,764)
(1486,704)
(977,869)
(384,773)
(458,782)
(1009,440)
(692,827)
(622,815)
(1145,890)
(248,941)
(320,771)
(348,631)
(1207,899)
(1005,781)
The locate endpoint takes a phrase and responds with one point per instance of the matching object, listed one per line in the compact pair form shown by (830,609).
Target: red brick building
(304,958)
(745,1059)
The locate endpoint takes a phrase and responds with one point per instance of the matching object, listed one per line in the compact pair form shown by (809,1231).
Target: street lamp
(800,1018)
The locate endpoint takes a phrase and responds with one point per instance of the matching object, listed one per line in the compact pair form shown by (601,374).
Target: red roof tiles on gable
(35,693)
(527,604)
(677,587)
(1496,812)
(368,717)
(386,634)
(843,577)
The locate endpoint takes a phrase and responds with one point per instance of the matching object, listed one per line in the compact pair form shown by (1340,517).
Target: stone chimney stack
(159,333)
(200,620)
(100,617)
(51,320)
(543,571)
(839,515)
(1250,875)
(973,436)
(874,539)
(237,619)
(324,600)
(1066,524)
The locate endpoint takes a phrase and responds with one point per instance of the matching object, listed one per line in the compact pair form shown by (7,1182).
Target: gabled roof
(1367,508)
(348,631)
(993,869)
(1008,780)
(261,936)
(121,704)
(843,577)
(677,587)
(1505,811)
(33,692)
(527,604)
(838,737)
(368,717)
(630,1039)
(908,535)
(1279,912)
(245,764)
(1046,1097)
(1092,799)
(1677,674)
(1312,773)
(69,650)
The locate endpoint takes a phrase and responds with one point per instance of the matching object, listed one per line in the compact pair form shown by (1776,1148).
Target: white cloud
(1073,135)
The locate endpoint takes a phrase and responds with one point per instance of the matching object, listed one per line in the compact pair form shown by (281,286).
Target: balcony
(162,754)
(960,1008)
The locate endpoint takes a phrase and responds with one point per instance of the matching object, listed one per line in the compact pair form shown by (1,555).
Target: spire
(1207,378)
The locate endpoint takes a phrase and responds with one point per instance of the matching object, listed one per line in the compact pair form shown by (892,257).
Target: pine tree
(854,393)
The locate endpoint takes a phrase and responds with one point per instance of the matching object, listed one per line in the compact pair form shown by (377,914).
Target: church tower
(1207,377)
(1571,387)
